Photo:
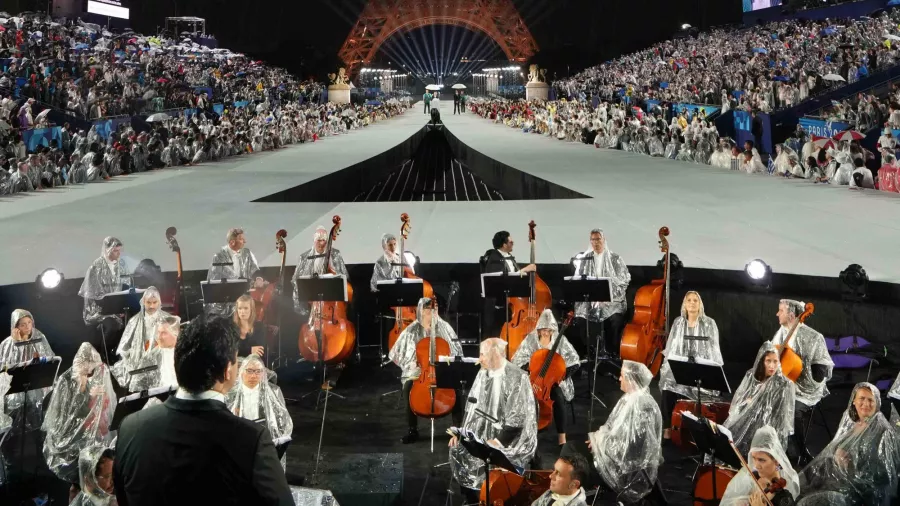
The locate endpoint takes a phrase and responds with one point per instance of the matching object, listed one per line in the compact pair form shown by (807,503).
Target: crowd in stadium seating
(765,67)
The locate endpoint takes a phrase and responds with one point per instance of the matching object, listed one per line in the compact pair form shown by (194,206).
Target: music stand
(703,374)
(498,285)
(34,374)
(589,289)
(325,288)
(127,302)
(491,457)
(455,374)
(400,292)
(223,291)
(135,402)
(715,443)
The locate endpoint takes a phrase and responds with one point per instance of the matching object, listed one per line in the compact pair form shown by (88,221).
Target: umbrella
(822,142)
(160,116)
(833,77)
(41,115)
(459,86)
(891,36)
(849,135)
(434,87)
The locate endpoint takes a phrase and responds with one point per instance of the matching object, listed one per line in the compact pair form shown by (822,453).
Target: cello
(791,363)
(644,337)
(425,398)
(510,489)
(525,311)
(546,369)
(179,280)
(328,320)
(262,298)
(403,316)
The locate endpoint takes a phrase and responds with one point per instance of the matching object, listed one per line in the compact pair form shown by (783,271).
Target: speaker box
(363,479)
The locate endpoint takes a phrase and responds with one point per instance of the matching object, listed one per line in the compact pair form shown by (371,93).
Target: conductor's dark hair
(579,466)
(203,352)
(500,239)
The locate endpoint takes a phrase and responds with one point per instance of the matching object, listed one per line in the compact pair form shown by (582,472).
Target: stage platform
(719,219)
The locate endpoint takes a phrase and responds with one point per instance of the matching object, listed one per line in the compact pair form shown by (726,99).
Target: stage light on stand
(854,283)
(50,279)
(759,273)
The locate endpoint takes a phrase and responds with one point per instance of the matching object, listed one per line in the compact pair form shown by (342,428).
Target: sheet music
(404,281)
(150,393)
(448,359)
(129,291)
(697,360)
(282,440)
(221,281)
(576,278)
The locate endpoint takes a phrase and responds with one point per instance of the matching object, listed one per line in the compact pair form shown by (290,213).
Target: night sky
(304,36)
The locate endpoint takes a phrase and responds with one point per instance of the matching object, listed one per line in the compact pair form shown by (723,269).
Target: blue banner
(219,109)
(241,103)
(823,128)
(41,137)
(692,109)
(105,127)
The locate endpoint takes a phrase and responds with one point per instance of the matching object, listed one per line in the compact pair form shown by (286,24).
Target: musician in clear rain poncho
(384,270)
(139,337)
(817,367)
(107,274)
(156,364)
(503,391)
(766,457)
(627,449)
(600,262)
(95,470)
(765,397)
(254,398)
(79,413)
(428,322)
(233,261)
(859,466)
(312,261)
(692,322)
(543,337)
(13,350)
(894,393)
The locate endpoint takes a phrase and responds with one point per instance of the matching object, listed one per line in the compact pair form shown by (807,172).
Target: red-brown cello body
(425,398)
(525,311)
(403,316)
(644,337)
(713,411)
(510,489)
(546,369)
(263,297)
(329,319)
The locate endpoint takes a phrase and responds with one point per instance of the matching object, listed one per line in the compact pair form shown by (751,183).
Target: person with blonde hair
(252,334)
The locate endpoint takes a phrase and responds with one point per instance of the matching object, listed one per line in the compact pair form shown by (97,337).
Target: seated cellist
(544,336)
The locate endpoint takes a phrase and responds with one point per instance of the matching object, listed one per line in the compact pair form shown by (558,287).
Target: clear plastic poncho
(383,270)
(512,402)
(811,347)
(757,404)
(308,265)
(80,411)
(532,343)
(859,466)
(11,354)
(605,265)
(102,277)
(627,449)
(894,393)
(683,348)
(743,485)
(243,266)
(138,339)
(160,358)
(5,420)
(403,353)
(91,493)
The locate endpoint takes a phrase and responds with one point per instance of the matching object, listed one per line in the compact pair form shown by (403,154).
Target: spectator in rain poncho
(95,471)
(859,466)
(627,449)
(107,274)
(25,342)
(79,413)
(139,338)
(254,398)
(764,398)
(767,459)
(544,337)
(783,166)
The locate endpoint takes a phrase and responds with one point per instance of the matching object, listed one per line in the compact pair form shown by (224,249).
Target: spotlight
(49,279)
(854,283)
(686,26)
(411,259)
(759,273)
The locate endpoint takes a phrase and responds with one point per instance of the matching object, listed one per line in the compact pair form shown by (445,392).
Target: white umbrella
(891,36)
(459,86)
(41,115)
(833,77)
(160,116)
(434,87)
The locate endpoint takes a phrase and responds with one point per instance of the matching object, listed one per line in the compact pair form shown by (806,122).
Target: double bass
(525,311)
(180,296)
(791,363)
(644,337)
(328,320)
(263,297)
(403,316)
(425,398)
(546,369)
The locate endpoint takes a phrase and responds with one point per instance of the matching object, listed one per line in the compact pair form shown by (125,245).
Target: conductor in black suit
(192,449)
(499,259)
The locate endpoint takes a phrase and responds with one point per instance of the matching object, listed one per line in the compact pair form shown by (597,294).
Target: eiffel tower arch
(381,19)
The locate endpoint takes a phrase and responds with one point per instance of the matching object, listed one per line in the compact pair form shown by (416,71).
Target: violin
(403,316)
(425,398)
(546,369)
(262,298)
(644,337)
(525,311)
(774,486)
(328,336)
(179,279)
(791,363)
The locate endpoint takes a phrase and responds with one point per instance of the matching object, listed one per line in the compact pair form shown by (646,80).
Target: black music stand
(135,402)
(711,442)
(127,302)
(400,292)
(702,375)
(491,457)
(589,289)
(223,291)
(28,376)
(316,288)
(498,285)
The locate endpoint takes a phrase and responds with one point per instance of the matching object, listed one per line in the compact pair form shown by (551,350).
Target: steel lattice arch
(381,19)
